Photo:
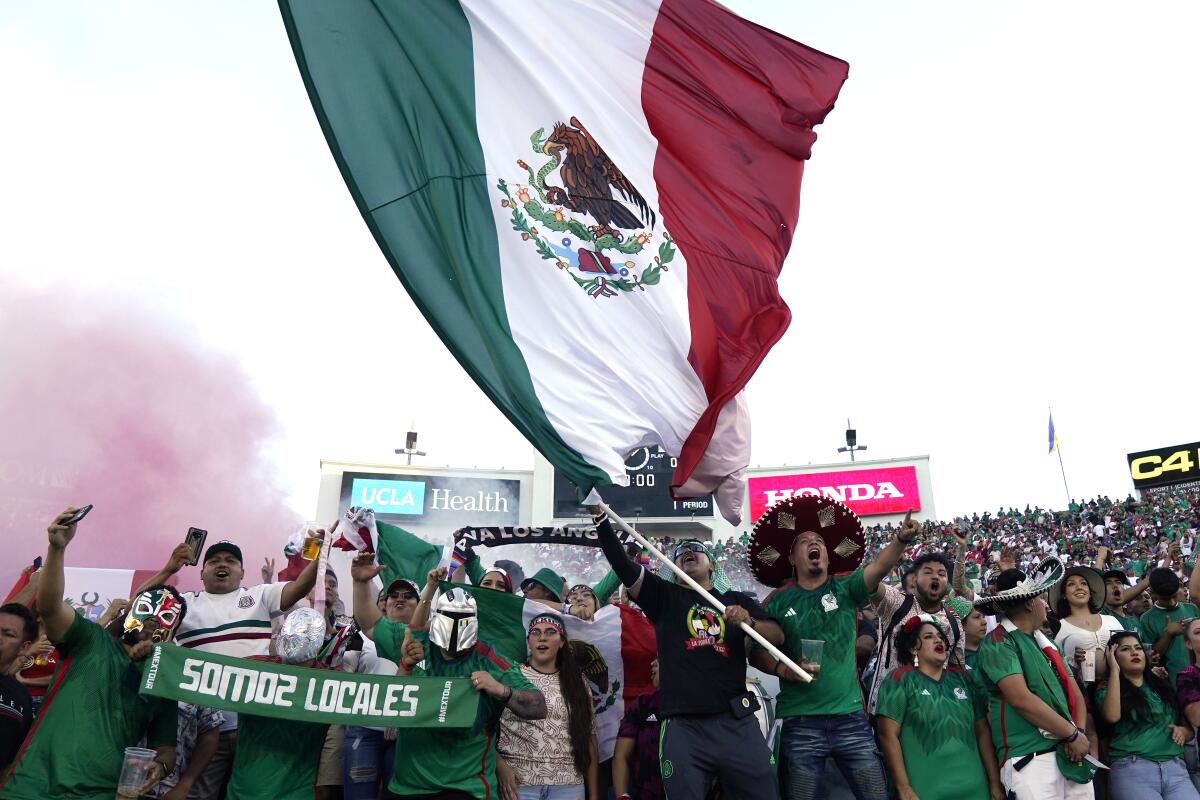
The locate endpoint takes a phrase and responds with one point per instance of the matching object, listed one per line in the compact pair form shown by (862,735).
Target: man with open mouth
(709,728)
(812,548)
(231,620)
(933,573)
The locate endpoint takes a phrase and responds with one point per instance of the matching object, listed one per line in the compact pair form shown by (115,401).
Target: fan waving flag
(589,202)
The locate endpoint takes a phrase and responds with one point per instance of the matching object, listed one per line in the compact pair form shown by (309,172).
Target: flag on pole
(589,202)
(614,651)
(1053,436)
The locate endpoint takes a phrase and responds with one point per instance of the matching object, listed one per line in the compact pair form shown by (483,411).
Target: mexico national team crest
(579,211)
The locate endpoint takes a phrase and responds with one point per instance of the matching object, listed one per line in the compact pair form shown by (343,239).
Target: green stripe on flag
(404,555)
(393,88)
(501,624)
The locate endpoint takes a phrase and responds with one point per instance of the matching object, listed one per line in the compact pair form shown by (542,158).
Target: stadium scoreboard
(648,493)
(1165,466)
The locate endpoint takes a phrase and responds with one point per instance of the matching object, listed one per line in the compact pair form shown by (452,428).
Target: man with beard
(18,632)
(825,717)
(93,710)
(708,725)
(231,620)
(931,585)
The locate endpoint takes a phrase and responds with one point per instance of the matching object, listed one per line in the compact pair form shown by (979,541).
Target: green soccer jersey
(937,731)
(1145,738)
(429,761)
(276,759)
(1003,653)
(1127,622)
(971,657)
(1152,625)
(91,713)
(825,613)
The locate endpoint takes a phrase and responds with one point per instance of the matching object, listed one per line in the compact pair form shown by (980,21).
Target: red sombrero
(773,534)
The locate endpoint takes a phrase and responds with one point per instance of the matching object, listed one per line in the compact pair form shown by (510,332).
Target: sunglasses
(690,547)
(399,595)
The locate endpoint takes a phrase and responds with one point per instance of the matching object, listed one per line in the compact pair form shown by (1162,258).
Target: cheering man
(826,717)
(445,765)
(933,573)
(93,710)
(709,728)
(230,620)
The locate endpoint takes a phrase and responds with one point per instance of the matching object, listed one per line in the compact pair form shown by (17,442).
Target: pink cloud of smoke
(108,405)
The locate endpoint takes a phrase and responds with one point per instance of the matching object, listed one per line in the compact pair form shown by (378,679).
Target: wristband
(1074,736)
(511,692)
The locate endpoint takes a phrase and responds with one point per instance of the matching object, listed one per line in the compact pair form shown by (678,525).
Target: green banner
(309,695)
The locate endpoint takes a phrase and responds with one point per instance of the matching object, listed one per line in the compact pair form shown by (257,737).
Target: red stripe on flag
(732,105)
(639,646)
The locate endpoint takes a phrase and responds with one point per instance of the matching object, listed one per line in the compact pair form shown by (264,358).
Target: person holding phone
(231,620)
(1148,727)
(95,711)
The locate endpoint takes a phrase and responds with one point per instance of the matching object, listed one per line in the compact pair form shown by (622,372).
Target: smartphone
(195,541)
(78,515)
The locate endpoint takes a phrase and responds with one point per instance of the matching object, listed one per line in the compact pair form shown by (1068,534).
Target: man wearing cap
(1117,591)
(1036,708)
(449,765)
(1162,625)
(709,728)
(546,586)
(826,717)
(230,620)
(368,753)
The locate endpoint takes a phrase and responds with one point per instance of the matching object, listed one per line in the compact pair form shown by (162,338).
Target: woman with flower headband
(552,758)
(932,722)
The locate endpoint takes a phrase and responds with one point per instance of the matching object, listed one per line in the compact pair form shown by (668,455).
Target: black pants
(694,750)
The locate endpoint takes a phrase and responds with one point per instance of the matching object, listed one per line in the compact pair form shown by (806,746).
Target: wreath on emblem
(598,239)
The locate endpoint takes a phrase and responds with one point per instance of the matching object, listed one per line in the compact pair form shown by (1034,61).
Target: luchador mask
(160,605)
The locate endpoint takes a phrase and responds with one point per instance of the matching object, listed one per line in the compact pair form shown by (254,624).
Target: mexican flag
(614,651)
(589,202)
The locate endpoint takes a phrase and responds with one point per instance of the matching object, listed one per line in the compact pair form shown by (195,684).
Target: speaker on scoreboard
(851,437)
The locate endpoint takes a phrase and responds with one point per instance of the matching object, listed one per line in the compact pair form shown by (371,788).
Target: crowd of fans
(957,663)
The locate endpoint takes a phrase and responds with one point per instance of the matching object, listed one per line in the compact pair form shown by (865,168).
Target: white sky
(1000,214)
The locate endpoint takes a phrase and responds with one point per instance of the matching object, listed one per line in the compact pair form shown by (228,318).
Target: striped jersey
(235,624)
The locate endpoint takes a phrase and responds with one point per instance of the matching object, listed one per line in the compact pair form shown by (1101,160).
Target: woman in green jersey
(932,722)
(1147,727)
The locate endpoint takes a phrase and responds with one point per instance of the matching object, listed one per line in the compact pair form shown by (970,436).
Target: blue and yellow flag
(1053,437)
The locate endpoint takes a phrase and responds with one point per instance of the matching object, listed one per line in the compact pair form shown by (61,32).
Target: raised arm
(630,573)
(56,615)
(363,570)
(960,566)
(297,589)
(178,559)
(890,556)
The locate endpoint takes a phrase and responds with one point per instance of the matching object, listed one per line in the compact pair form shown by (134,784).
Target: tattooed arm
(526,702)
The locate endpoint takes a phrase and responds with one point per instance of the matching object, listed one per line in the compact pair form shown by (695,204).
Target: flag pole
(1058,447)
(679,573)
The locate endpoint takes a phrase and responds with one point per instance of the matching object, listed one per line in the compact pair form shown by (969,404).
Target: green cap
(547,578)
(961,606)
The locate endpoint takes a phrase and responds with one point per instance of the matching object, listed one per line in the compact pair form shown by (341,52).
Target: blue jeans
(367,763)
(570,791)
(1136,778)
(848,738)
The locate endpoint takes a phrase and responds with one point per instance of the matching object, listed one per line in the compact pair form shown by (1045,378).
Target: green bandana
(309,695)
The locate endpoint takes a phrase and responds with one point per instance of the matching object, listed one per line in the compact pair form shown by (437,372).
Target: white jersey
(236,623)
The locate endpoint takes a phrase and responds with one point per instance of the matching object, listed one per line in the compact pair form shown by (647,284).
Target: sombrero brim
(773,534)
(1095,585)
(1048,573)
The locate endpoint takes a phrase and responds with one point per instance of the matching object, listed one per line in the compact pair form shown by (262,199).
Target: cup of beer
(312,545)
(810,656)
(135,772)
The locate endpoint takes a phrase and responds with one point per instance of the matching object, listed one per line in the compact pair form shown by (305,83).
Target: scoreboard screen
(648,493)
(1165,466)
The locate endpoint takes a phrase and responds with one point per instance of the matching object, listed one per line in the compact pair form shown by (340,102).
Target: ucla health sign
(401,498)
(886,490)
(433,498)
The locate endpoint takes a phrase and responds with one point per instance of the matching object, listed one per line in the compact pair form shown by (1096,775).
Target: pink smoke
(111,406)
